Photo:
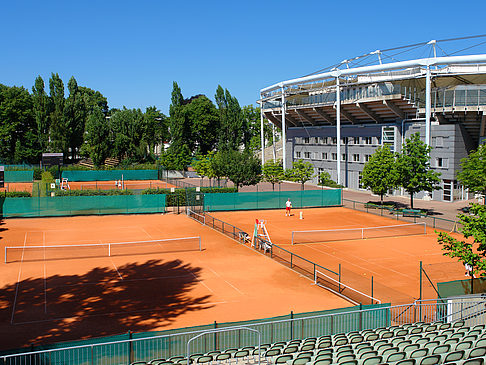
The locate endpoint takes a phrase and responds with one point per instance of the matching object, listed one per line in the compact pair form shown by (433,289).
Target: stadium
(337,117)
(176,272)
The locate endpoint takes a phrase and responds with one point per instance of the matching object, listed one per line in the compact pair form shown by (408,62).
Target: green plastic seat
(271,353)
(464,345)
(391,350)
(204,359)
(406,362)
(361,345)
(397,356)
(458,324)
(371,337)
(454,356)
(157,361)
(431,344)
(374,360)
(344,358)
(451,341)
(419,353)
(368,354)
(481,342)
(363,349)
(231,351)
(341,341)
(324,344)
(301,360)
(411,348)
(240,354)
(307,347)
(430,360)
(477,352)
(324,357)
(475,361)
(283,359)
(290,350)
(441,349)
(323,362)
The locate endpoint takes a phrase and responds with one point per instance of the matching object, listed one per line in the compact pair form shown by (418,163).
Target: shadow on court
(104,301)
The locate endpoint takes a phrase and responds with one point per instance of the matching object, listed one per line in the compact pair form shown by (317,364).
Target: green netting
(110,175)
(19,176)
(461,287)
(271,199)
(81,205)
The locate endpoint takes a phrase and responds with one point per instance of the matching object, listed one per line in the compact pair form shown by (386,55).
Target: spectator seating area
(410,344)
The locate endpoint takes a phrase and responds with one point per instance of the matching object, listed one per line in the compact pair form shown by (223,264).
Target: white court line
(45,276)
(226,281)
(121,277)
(18,281)
(202,282)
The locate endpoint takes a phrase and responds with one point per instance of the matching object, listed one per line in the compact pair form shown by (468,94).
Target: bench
(413,213)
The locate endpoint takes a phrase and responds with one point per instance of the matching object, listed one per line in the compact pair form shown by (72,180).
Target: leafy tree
(97,137)
(204,119)
(273,172)
(380,173)
(302,171)
(58,132)
(179,123)
(413,168)
(127,127)
(155,128)
(473,174)
(176,159)
(251,115)
(218,166)
(18,140)
(325,180)
(93,100)
(242,168)
(233,126)
(42,111)
(75,114)
(202,165)
(468,251)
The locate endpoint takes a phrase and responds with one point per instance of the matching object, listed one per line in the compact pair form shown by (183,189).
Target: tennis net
(75,251)
(337,287)
(344,234)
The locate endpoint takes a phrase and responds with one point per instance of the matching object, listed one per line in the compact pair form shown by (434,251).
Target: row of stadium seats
(419,343)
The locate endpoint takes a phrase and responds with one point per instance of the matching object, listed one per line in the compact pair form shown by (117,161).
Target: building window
(388,137)
(360,177)
(355,140)
(356,157)
(442,162)
(324,155)
(316,140)
(334,140)
(306,140)
(344,140)
(297,154)
(307,155)
(367,158)
(334,156)
(324,140)
(368,140)
(344,157)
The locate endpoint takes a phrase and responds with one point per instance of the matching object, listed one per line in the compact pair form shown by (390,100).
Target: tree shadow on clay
(104,301)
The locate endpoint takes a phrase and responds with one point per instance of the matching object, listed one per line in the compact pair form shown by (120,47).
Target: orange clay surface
(91,185)
(47,301)
(393,261)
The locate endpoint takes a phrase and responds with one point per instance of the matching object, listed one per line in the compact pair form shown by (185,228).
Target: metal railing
(472,312)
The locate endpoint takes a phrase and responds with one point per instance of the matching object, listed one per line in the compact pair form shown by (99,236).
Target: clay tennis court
(57,298)
(96,185)
(392,261)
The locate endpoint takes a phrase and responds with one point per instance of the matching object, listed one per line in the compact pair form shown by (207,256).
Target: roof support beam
(305,116)
(347,115)
(273,118)
(291,119)
(370,113)
(324,116)
(394,108)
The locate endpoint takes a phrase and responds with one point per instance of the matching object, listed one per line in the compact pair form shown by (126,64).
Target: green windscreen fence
(19,176)
(461,287)
(272,199)
(81,205)
(110,175)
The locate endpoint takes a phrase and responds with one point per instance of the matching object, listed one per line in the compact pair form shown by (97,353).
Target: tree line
(80,124)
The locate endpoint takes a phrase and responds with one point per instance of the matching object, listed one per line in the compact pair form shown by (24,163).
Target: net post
(362,233)
(109,249)
(420,295)
(199,243)
(339,276)
(5,254)
(372,296)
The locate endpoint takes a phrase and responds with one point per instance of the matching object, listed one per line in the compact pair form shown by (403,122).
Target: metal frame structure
(275,99)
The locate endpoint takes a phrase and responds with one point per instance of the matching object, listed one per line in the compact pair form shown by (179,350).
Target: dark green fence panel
(271,199)
(82,205)
(110,175)
(19,176)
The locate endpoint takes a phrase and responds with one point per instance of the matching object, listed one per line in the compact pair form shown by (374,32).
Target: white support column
(262,134)
(273,143)
(284,132)
(427,107)
(338,129)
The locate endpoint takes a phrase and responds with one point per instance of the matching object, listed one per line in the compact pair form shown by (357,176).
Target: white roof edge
(376,68)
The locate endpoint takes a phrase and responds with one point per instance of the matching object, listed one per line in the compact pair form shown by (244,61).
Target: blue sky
(131,51)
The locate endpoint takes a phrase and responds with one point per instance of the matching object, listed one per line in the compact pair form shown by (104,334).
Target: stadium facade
(336,119)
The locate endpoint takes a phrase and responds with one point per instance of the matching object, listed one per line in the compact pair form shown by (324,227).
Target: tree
(273,172)
(218,165)
(251,115)
(202,165)
(300,172)
(204,119)
(58,133)
(380,173)
(42,110)
(325,180)
(74,117)
(18,138)
(242,168)
(413,168)
(97,137)
(155,128)
(179,123)
(473,174)
(468,251)
(127,128)
(178,159)
(233,126)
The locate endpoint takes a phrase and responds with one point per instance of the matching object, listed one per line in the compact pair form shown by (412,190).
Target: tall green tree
(301,171)
(18,138)
(97,137)
(413,168)
(473,174)
(179,123)
(273,172)
(155,128)
(252,132)
(242,168)
(59,136)
(75,114)
(176,159)
(472,250)
(204,119)
(233,126)
(42,111)
(380,172)
(126,126)
(93,100)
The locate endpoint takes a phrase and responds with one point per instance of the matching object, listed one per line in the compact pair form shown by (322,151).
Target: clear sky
(131,51)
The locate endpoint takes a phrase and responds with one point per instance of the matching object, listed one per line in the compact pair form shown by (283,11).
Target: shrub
(17,194)
(46,177)
(92,192)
